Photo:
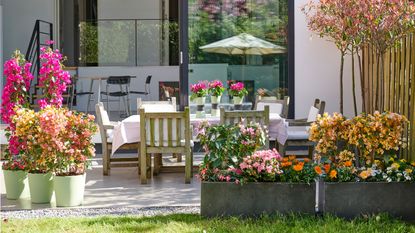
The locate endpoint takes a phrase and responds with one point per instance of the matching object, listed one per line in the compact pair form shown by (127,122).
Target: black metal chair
(146,91)
(124,84)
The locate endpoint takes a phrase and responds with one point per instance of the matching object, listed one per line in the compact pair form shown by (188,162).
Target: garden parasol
(243,44)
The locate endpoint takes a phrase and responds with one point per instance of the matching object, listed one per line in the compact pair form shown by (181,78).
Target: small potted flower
(199,93)
(264,94)
(216,90)
(15,96)
(237,91)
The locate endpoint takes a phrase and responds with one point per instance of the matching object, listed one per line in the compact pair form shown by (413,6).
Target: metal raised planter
(354,199)
(253,199)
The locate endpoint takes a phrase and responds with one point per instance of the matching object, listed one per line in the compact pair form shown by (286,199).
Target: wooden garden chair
(275,106)
(105,128)
(255,116)
(298,129)
(165,132)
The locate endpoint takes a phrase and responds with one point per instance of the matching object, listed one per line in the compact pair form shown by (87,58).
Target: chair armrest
(301,122)
(111,125)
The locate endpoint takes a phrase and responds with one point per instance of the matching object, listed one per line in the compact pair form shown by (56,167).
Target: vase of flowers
(15,96)
(199,93)
(237,91)
(71,165)
(264,94)
(216,90)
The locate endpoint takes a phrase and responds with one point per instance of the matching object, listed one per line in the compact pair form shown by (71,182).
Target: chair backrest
(157,106)
(165,130)
(256,116)
(125,79)
(102,120)
(317,108)
(275,106)
(147,86)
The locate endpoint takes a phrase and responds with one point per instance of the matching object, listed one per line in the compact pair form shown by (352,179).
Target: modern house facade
(162,38)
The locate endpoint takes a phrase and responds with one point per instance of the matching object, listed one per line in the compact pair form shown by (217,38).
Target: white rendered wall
(19,17)
(317,67)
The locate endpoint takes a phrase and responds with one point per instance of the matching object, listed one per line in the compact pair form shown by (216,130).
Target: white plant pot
(238,100)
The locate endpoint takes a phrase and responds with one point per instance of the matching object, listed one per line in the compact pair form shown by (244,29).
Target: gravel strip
(94,212)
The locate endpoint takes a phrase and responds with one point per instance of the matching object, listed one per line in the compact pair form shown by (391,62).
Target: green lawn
(195,223)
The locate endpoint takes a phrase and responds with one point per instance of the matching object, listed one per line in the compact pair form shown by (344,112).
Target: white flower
(389,180)
(399,174)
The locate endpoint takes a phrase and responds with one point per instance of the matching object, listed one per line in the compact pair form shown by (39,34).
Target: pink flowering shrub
(261,166)
(56,139)
(216,88)
(15,95)
(199,89)
(53,79)
(225,146)
(237,89)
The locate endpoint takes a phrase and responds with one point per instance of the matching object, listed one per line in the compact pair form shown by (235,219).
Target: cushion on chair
(158,107)
(312,114)
(273,107)
(110,135)
(298,133)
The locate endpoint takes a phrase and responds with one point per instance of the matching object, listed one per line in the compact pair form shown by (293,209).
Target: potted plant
(18,77)
(264,94)
(237,91)
(236,178)
(72,160)
(362,174)
(39,130)
(216,90)
(199,93)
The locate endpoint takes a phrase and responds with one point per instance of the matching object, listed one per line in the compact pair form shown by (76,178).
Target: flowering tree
(332,19)
(52,77)
(352,24)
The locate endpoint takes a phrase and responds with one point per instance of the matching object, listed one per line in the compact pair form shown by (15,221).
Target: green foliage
(196,223)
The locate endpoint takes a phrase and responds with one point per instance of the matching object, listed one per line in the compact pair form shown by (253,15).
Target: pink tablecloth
(128,130)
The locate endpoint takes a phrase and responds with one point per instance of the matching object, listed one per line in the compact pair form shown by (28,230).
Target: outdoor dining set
(159,129)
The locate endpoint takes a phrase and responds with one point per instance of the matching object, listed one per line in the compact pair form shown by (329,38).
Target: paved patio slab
(122,189)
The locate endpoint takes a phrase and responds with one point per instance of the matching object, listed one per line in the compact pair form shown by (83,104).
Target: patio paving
(122,189)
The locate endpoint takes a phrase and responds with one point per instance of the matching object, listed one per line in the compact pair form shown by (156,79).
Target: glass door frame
(184,55)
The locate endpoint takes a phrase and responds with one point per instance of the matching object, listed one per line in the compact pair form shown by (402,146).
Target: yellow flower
(413,163)
(395,166)
(333,174)
(409,171)
(364,174)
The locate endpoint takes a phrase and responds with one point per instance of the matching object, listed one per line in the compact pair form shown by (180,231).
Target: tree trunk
(362,81)
(354,84)
(341,81)
(382,83)
(377,89)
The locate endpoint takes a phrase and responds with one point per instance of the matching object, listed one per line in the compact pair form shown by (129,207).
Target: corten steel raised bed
(254,199)
(354,199)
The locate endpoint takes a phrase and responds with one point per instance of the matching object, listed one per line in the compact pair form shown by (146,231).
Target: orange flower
(298,167)
(291,157)
(348,163)
(286,164)
(327,167)
(364,174)
(306,160)
(318,170)
(333,174)
(285,159)
(413,163)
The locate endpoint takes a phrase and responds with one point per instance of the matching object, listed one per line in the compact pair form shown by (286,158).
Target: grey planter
(350,200)
(253,199)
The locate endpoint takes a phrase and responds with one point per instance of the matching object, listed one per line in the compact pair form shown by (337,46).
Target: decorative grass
(195,223)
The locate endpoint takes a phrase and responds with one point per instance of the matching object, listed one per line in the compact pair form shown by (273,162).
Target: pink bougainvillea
(15,91)
(52,77)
